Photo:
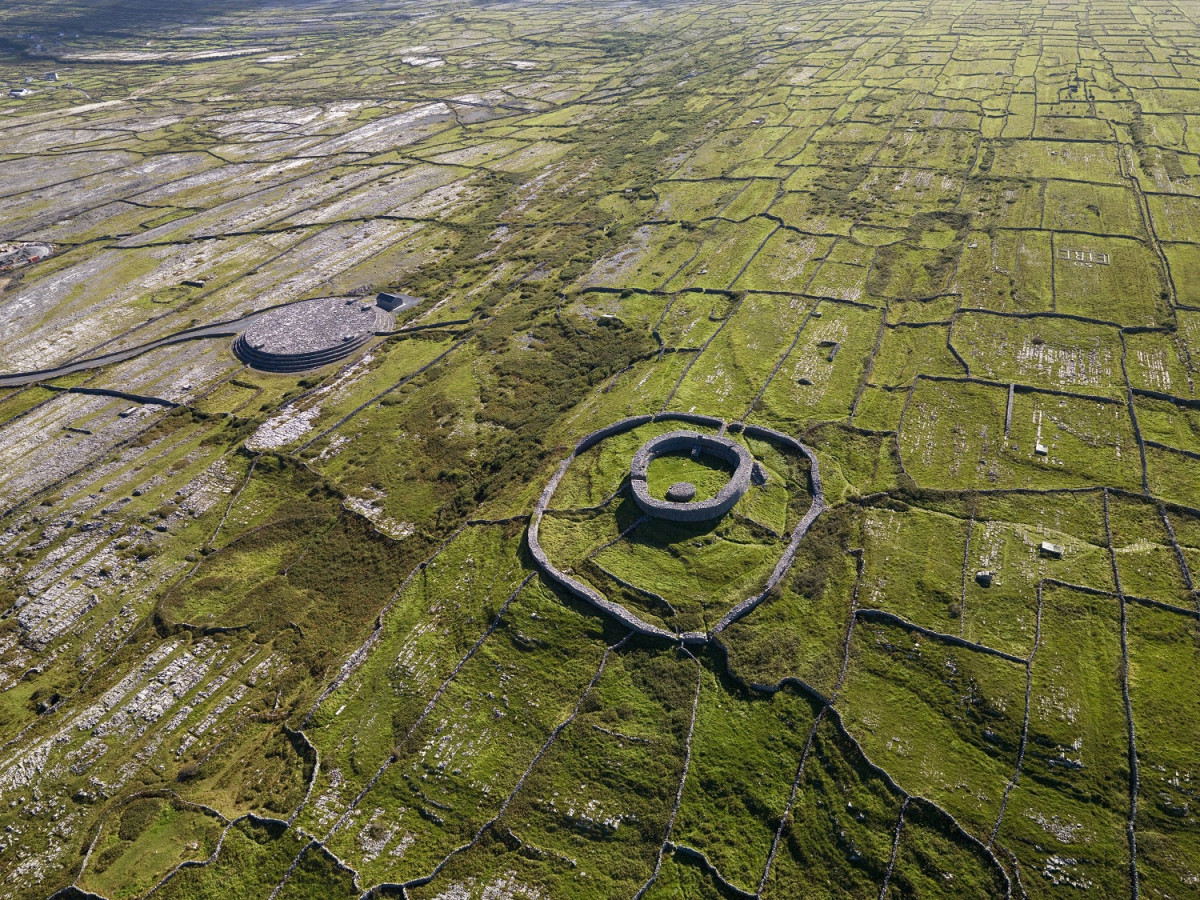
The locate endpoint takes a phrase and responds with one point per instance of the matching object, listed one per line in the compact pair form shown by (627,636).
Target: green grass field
(285,635)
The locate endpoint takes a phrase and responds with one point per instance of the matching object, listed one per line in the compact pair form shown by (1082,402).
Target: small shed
(1052,550)
(391,302)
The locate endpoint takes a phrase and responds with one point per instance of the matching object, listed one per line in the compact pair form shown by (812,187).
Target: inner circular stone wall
(696,443)
(308,334)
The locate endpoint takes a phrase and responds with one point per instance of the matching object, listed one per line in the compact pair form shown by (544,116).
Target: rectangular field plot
(839,803)
(1189,337)
(1171,424)
(1071,128)
(856,461)
(736,365)
(1155,362)
(906,352)
(835,154)
(945,722)
(1175,218)
(1184,262)
(907,272)
(1092,162)
(953,437)
(940,149)
(1128,289)
(1174,476)
(891,197)
(744,759)
(1163,657)
(819,379)
(723,254)
(1092,209)
(651,256)
(839,281)
(900,573)
(1010,272)
(786,262)
(1066,819)
(1046,352)
(691,201)
(1004,202)
(1018,123)
(1146,560)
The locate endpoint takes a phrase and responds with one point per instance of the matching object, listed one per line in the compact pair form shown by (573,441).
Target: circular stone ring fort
(697,445)
(308,334)
(737,486)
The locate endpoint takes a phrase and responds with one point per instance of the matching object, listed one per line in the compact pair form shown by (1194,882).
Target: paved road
(218,329)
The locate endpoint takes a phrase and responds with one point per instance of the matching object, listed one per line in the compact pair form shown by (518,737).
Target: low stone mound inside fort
(681,492)
(309,334)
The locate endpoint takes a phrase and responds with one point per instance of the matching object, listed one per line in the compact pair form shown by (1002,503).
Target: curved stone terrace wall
(590,595)
(691,441)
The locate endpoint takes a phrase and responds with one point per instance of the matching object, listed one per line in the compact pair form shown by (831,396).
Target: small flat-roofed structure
(20,92)
(1052,550)
(392,302)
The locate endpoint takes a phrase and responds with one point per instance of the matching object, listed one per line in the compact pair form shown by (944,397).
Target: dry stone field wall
(303,599)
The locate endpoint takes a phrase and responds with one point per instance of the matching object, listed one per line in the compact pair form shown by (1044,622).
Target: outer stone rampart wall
(620,613)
